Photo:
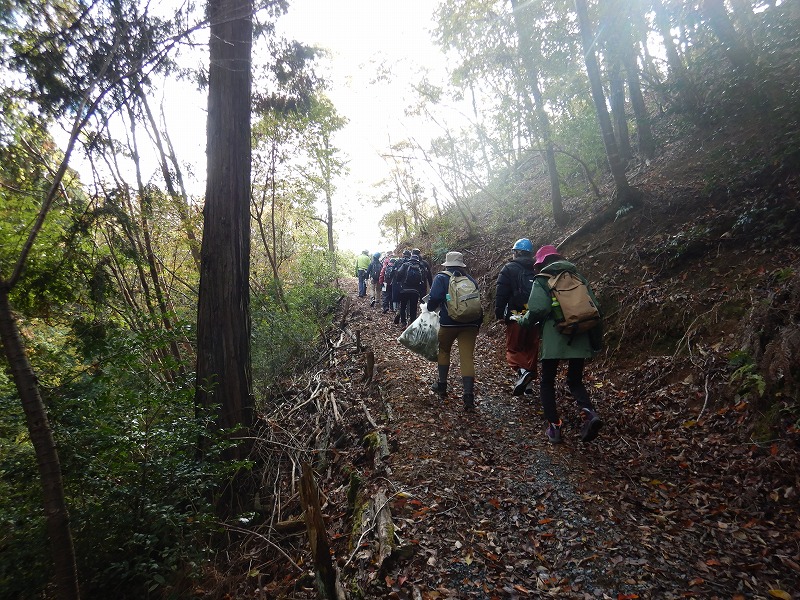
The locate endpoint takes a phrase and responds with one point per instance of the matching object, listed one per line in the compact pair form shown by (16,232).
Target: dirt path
(492,510)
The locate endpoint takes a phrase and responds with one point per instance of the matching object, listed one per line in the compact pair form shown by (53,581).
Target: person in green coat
(556,346)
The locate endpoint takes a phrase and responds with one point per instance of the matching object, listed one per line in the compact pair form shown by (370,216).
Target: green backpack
(463,299)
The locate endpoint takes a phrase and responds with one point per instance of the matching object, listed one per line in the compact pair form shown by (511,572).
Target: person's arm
(539,304)
(503,293)
(438,291)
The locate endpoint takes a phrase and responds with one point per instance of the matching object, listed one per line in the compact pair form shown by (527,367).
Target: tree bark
(525,39)
(55,506)
(626,195)
(224,378)
(617,88)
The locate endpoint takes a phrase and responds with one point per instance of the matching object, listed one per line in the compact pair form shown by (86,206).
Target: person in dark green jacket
(556,346)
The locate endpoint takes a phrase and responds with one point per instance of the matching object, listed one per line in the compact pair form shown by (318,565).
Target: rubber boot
(469,393)
(439,386)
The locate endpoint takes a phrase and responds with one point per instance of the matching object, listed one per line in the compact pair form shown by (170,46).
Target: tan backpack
(570,296)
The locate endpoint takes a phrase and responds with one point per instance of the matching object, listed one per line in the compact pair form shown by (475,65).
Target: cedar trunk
(625,194)
(224,381)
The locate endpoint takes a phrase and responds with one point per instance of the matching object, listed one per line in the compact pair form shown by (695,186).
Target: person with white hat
(451,330)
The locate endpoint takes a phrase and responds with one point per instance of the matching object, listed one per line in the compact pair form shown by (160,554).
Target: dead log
(324,567)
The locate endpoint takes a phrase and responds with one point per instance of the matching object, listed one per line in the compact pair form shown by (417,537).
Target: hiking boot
(372,303)
(396,319)
(591,425)
(469,402)
(525,378)
(554,433)
(439,388)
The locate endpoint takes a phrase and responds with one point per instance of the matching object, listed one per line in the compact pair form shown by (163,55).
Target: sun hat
(544,252)
(454,259)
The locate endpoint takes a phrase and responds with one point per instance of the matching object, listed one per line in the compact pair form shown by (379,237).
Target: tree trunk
(617,87)
(55,507)
(224,378)
(735,49)
(688,99)
(626,195)
(526,41)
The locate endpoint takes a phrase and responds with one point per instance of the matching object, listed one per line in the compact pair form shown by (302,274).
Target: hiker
(373,274)
(413,282)
(451,330)
(362,263)
(396,287)
(556,346)
(425,264)
(514,284)
(385,281)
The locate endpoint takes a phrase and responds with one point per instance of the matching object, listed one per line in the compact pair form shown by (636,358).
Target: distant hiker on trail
(544,307)
(413,281)
(362,263)
(425,264)
(396,287)
(514,285)
(467,309)
(385,281)
(373,274)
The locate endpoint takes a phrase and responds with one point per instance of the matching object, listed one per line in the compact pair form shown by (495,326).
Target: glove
(522,320)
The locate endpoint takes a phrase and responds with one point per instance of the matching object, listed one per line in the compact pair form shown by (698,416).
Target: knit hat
(544,252)
(454,259)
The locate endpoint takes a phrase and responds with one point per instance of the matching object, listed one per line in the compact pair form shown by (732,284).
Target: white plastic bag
(422,336)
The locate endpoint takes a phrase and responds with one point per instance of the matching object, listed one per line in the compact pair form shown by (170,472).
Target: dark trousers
(574,383)
(408,306)
(386,298)
(362,283)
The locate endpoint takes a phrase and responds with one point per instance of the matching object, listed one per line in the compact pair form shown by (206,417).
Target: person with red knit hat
(556,346)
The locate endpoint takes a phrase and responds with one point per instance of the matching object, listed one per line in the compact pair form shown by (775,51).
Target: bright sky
(361,35)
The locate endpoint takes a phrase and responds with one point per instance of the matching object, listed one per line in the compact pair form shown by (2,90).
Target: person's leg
(548,389)
(403,309)
(386,298)
(548,394)
(413,303)
(446,337)
(575,382)
(466,357)
(362,287)
(592,423)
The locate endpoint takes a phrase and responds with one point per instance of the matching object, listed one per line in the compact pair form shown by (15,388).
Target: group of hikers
(534,291)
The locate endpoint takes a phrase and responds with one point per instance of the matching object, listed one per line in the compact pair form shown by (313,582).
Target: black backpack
(388,274)
(523,287)
(413,278)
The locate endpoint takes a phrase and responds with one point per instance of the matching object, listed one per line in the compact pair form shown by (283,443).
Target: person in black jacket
(413,281)
(373,274)
(513,288)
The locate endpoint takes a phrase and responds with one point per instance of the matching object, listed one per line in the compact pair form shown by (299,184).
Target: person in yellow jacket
(362,264)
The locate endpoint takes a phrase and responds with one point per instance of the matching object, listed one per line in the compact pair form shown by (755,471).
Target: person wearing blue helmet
(514,283)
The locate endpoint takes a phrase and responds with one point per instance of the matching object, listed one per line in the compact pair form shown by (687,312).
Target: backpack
(388,274)
(413,278)
(523,288)
(580,313)
(463,299)
(375,270)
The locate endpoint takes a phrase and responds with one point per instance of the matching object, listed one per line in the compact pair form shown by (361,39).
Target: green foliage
(282,339)
(745,375)
(139,501)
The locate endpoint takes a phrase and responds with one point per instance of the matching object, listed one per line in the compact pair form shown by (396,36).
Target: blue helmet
(376,255)
(523,244)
